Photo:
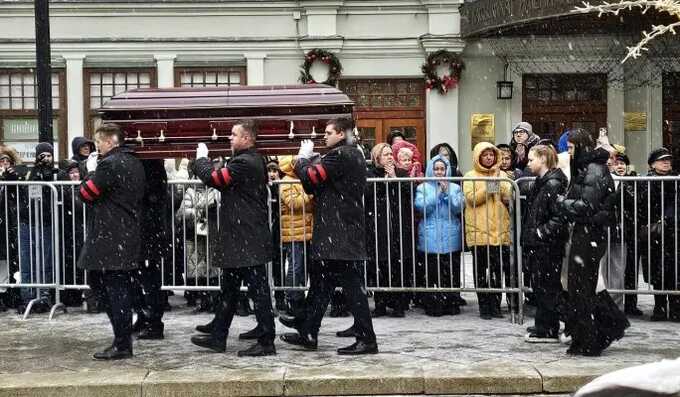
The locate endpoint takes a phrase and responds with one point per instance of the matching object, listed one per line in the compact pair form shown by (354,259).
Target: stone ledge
(230,382)
(114,383)
(493,377)
(568,376)
(361,378)
(338,379)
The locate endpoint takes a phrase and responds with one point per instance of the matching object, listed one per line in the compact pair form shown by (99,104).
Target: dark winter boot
(152,331)
(119,350)
(243,309)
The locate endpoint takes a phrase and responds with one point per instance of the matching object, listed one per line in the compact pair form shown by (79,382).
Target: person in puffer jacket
(487,225)
(440,236)
(297,216)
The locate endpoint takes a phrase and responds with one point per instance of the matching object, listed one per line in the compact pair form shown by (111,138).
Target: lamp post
(43,60)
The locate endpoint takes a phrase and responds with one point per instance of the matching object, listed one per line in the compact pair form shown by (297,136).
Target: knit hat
(622,157)
(524,126)
(43,147)
(659,154)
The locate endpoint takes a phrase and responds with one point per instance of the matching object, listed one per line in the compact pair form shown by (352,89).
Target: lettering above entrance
(484,15)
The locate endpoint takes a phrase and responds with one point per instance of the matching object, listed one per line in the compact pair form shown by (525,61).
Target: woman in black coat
(593,320)
(383,236)
(544,235)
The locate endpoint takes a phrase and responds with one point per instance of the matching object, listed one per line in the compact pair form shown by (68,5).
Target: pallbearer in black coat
(242,245)
(338,240)
(114,187)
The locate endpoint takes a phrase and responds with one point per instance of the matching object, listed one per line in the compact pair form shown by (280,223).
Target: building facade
(565,71)
(100,48)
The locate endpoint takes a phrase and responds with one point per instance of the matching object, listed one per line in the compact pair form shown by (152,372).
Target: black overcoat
(242,236)
(114,192)
(337,182)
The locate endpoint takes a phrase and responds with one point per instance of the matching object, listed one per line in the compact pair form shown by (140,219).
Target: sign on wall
(482,128)
(22,135)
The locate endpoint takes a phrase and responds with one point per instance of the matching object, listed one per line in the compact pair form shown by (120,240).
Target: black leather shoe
(252,334)
(290,322)
(209,342)
(152,332)
(258,350)
(294,338)
(348,333)
(358,348)
(205,329)
(113,353)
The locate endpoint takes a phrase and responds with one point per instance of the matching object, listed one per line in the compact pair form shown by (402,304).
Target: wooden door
(383,105)
(370,132)
(413,130)
(553,103)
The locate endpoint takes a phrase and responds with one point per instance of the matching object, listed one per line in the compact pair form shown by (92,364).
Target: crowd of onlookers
(416,230)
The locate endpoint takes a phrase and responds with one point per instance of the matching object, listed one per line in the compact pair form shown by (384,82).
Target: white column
(255,67)
(442,119)
(165,70)
(75,115)
(615,106)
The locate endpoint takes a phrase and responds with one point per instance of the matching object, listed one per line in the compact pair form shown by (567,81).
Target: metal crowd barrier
(641,238)
(643,233)
(29,244)
(400,260)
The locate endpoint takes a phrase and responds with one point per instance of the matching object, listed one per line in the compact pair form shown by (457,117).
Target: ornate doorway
(386,105)
(553,103)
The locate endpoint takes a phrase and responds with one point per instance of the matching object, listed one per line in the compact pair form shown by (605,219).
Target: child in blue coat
(440,239)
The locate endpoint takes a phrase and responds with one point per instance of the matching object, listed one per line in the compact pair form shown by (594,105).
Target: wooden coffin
(168,123)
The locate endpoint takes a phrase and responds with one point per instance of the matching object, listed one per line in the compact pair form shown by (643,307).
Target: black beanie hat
(623,157)
(659,154)
(43,147)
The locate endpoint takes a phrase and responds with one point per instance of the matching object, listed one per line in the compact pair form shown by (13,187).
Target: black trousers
(667,282)
(389,274)
(149,299)
(631,276)
(587,248)
(113,290)
(545,265)
(323,280)
(255,277)
(443,271)
(487,271)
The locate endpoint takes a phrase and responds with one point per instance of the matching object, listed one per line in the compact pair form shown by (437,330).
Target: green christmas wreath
(449,80)
(327,57)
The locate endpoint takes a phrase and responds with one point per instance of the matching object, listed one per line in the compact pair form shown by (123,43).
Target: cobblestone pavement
(67,343)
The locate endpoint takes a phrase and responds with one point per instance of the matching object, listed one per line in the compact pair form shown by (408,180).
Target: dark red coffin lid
(236,97)
(184,117)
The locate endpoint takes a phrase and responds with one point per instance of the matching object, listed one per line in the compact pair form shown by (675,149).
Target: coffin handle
(139,137)
(162,137)
(291,135)
(313,132)
(214,135)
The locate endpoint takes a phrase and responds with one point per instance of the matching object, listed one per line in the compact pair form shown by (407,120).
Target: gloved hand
(306,149)
(202,151)
(91,163)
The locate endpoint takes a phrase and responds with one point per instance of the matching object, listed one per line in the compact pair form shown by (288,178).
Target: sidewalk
(419,355)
